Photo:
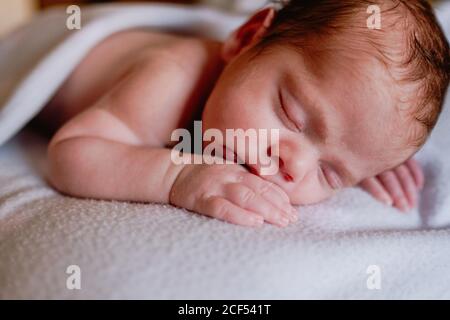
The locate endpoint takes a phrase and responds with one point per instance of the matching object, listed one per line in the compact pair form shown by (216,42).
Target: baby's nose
(295,162)
(285,173)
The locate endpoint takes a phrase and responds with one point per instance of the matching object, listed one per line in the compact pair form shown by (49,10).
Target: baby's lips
(228,155)
(253,170)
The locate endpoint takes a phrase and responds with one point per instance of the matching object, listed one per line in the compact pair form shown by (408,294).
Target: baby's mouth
(231,156)
(282,179)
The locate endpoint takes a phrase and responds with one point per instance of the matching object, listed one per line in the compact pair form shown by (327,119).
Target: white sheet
(152,251)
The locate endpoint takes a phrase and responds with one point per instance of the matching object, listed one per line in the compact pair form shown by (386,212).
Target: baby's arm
(104,168)
(113,151)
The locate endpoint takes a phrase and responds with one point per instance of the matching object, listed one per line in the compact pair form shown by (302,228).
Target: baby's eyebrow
(320,127)
(311,106)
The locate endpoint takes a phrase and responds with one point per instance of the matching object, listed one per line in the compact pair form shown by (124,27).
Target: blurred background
(15,12)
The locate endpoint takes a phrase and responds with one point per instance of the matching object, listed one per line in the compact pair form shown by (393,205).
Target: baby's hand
(229,192)
(398,187)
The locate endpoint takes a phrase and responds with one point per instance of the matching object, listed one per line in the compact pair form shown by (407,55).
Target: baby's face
(336,117)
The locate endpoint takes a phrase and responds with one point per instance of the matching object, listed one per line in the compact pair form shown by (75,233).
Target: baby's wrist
(191,166)
(184,170)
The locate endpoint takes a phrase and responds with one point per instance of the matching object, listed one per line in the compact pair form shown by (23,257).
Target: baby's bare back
(111,61)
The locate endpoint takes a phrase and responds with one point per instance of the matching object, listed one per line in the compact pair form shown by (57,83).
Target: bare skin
(114,117)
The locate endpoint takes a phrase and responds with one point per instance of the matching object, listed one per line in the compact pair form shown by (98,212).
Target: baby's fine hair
(422,64)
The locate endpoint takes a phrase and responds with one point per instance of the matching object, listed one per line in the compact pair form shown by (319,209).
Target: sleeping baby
(351,102)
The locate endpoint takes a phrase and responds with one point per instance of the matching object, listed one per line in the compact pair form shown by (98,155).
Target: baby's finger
(417,172)
(392,185)
(223,209)
(246,198)
(376,189)
(408,184)
(272,193)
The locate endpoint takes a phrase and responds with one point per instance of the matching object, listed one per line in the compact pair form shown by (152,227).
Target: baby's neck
(213,66)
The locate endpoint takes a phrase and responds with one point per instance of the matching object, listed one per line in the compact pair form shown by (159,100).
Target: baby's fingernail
(388,201)
(283,221)
(288,216)
(403,204)
(259,221)
(294,214)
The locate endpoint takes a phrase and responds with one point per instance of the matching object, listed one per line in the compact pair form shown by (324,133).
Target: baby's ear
(248,34)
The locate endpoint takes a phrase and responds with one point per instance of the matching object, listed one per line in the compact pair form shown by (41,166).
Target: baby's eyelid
(331,177)
(298,126)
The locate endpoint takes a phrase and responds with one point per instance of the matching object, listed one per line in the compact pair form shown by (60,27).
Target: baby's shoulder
(181,56)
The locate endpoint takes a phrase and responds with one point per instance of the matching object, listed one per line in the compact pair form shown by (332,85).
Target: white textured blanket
(129,250)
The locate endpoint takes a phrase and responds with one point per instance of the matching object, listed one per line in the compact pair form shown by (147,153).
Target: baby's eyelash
(331,178)
(297,126)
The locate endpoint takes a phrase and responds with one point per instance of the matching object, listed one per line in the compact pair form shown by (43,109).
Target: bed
(349,247)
